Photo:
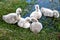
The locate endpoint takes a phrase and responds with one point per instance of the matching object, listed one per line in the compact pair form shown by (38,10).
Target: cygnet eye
(37,7)
(19,11)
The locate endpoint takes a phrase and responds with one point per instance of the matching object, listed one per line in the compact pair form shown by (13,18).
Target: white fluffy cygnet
(56,13)
(36,26)
(12,18)
(47,12)
(37,13)
(21,22)
(24,23)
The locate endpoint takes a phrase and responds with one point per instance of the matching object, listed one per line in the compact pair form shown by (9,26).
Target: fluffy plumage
(47,12)
(12,18)
(36,26)
(37,13)
(24,23)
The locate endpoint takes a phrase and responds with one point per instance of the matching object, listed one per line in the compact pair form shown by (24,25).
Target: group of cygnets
(31,21)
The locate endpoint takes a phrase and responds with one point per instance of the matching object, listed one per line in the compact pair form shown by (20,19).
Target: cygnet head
(28,19)
(42,10)
(18,11)
(55,13)
(34,20)
(18,18)
(37,7)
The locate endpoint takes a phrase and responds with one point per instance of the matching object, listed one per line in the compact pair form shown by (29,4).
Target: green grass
(13,32)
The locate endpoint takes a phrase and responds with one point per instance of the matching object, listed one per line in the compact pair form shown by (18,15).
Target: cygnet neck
(19,16)
(37,10)
(28,20)
(18,13)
